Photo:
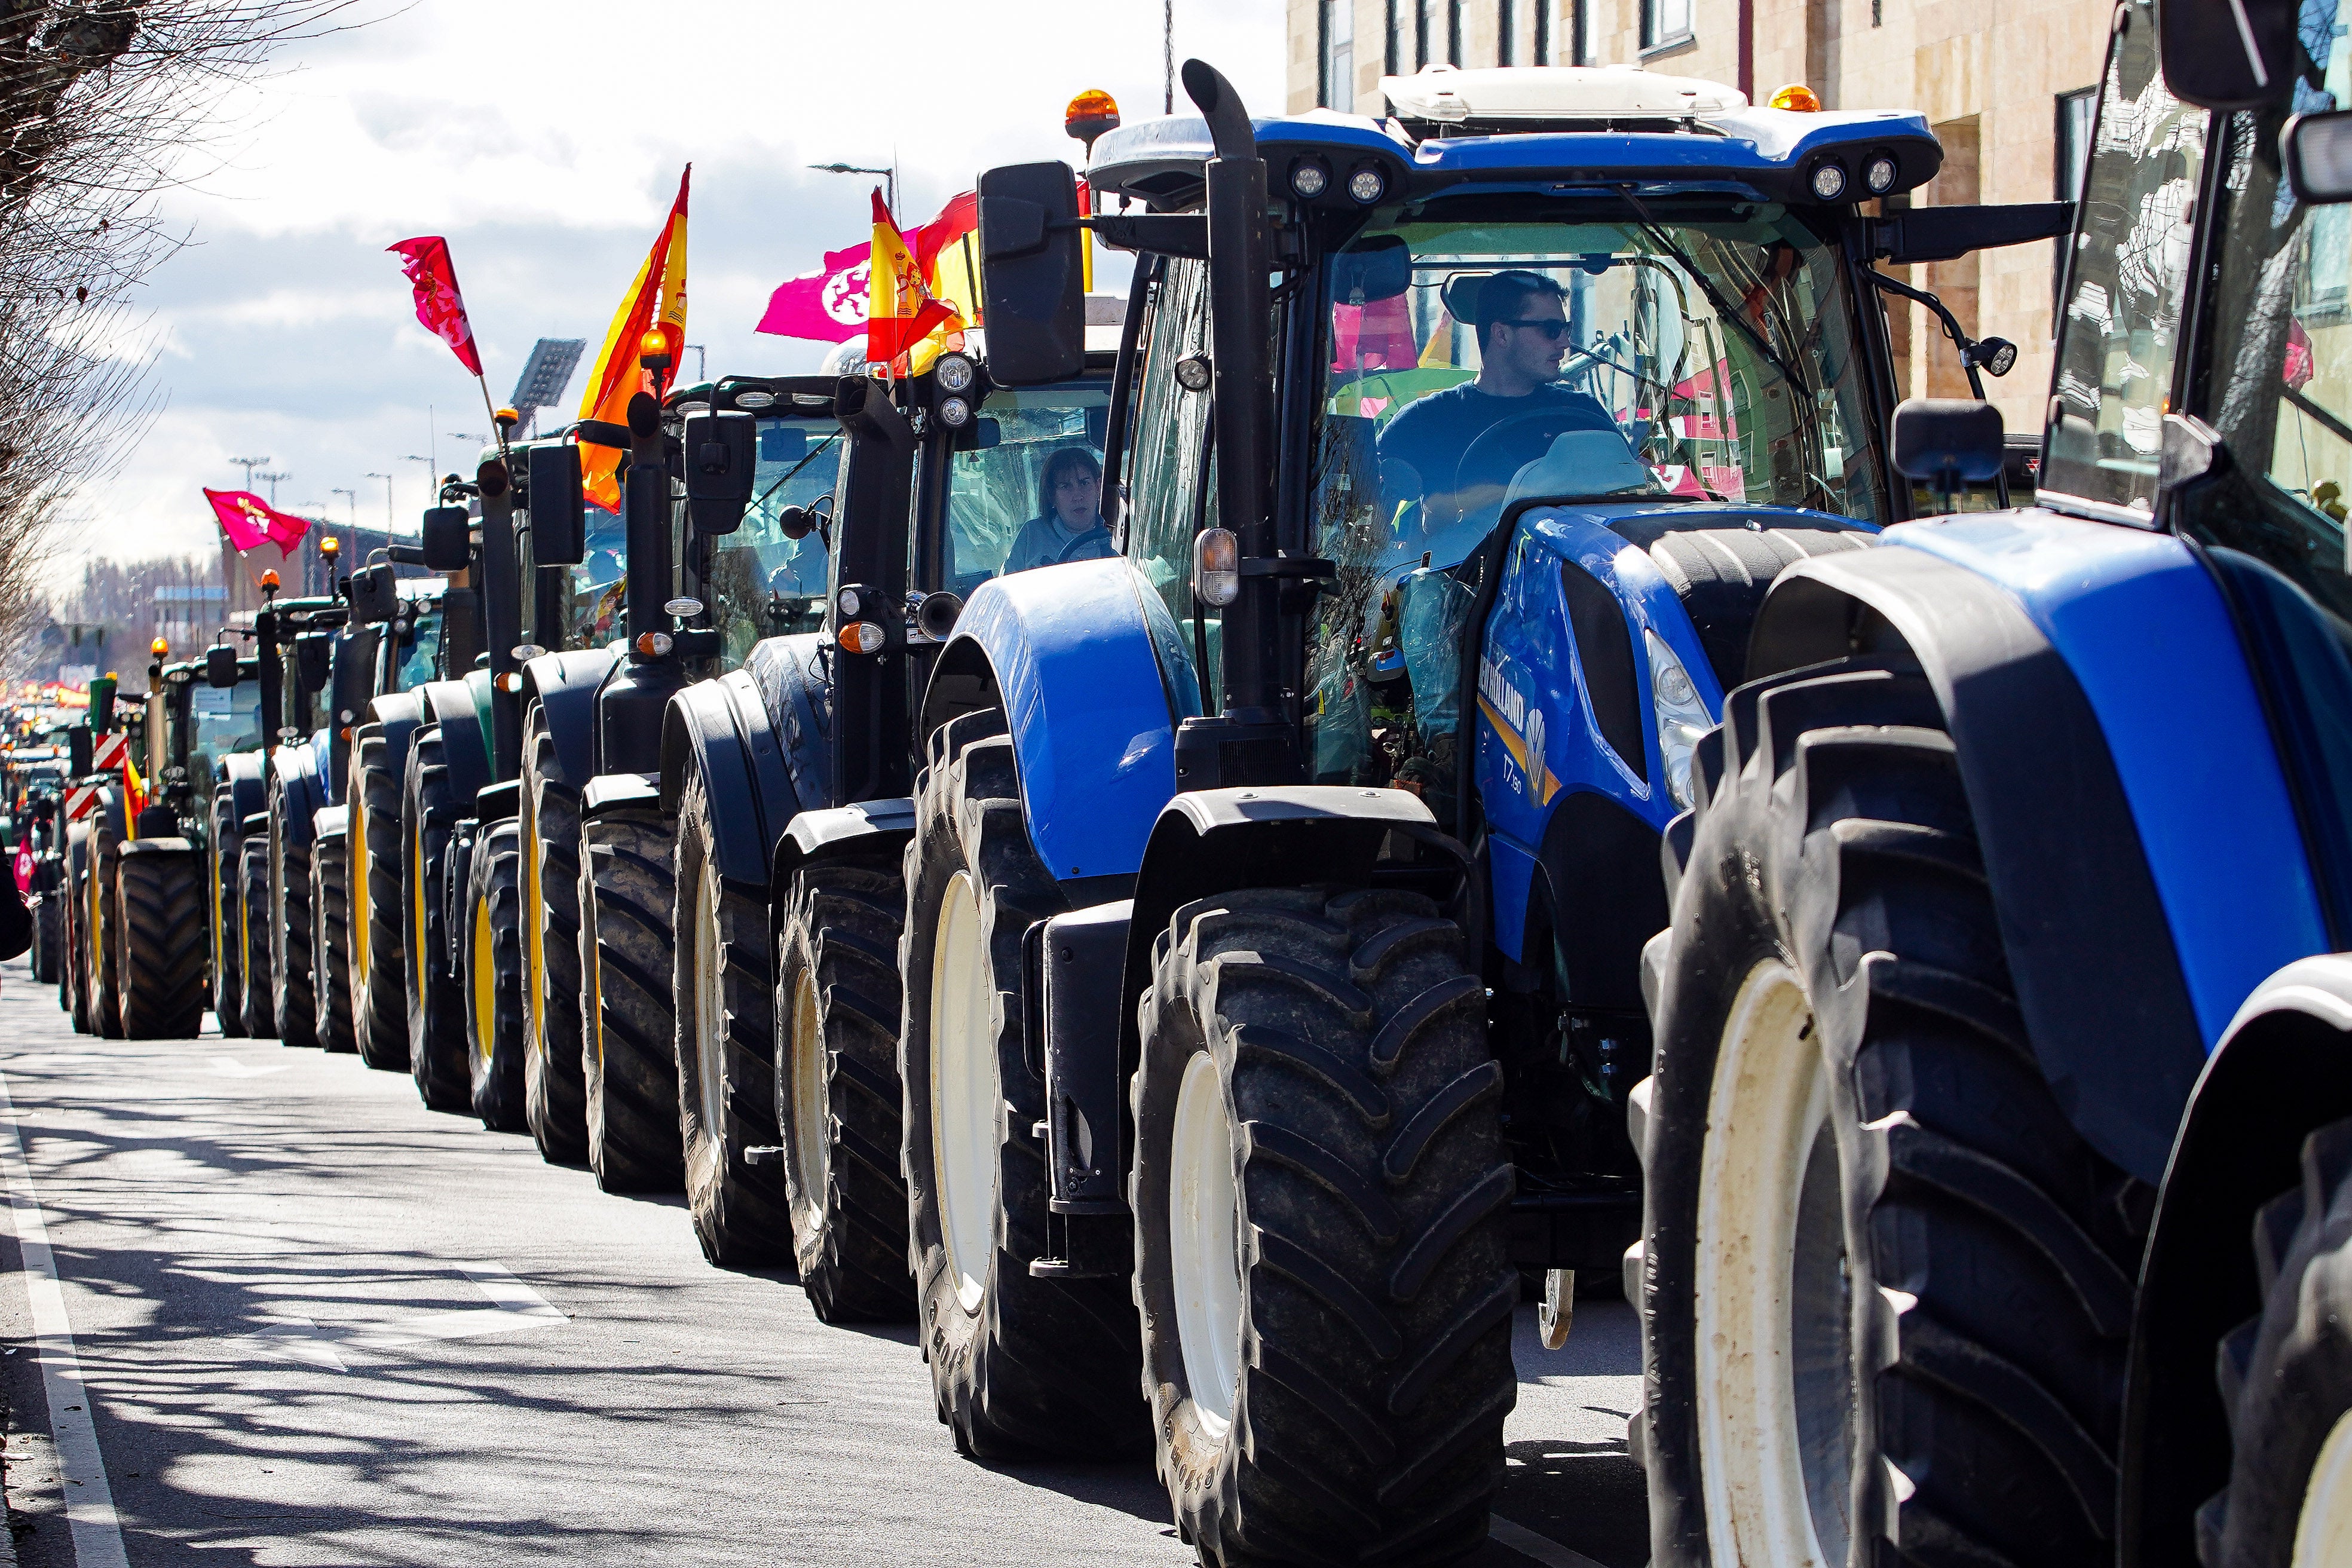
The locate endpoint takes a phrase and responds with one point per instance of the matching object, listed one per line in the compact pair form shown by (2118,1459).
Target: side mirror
(2318,148)
(447,547)
(220,665)
(1032,274)
(2226,54)
(558,533)
(1946,441)
(720,457)
(314,659)
(375,594)
(78,745)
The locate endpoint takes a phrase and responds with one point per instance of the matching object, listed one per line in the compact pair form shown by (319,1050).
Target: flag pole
(497,430)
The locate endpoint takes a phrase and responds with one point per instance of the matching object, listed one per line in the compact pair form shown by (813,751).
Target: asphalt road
(300,1319)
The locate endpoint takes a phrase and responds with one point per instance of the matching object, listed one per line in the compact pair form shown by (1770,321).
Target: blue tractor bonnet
(1769,153)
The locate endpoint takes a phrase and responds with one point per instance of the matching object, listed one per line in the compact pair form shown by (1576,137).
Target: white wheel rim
(356,872)
(811,1121)
(1204,1266)
(964,1091)
(1775,1383)
(710,1022)
(2323,1533)
(534,945)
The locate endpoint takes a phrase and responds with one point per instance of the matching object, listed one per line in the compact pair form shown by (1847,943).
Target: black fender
(397,717)
(620,791)
(794,676)
(450,705)
(720,729)
(1592,891)
(565,686)
(2098,977)
(2282,1071)
(833,832)
(294,772)
(329,822)
(186,846)
(245,773)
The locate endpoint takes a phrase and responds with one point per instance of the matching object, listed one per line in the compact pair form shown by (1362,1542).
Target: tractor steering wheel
(1504,447)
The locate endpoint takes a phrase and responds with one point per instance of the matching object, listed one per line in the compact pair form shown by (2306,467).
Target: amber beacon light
(1797,96)
(1090,114)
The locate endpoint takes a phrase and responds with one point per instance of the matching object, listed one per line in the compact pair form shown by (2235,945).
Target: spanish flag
(656,296)
(899,312)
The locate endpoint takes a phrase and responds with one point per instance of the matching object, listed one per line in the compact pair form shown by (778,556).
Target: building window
(1338,26)
(1543,32)
(1665,22)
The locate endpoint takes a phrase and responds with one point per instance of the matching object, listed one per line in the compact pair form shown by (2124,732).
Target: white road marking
(1542,1548)
(229,1067)
(515,1308)
(81,1470)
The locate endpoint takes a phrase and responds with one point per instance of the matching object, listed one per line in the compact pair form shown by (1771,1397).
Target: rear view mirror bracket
(1916,235)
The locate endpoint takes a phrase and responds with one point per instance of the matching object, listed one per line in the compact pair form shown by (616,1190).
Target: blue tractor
(1276,889)
(1999,1136)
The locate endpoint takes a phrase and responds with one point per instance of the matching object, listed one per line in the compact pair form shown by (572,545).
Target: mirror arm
(1157,233)
(1960,340)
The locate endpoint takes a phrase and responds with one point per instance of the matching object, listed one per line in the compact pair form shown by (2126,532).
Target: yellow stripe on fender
(1542,783)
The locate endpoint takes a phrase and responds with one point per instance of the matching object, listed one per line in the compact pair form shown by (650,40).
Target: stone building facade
(2007,86)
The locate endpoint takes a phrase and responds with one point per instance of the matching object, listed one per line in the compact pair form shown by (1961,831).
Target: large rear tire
(722,995)
(494,1020)
(222,855)
(555,1090)
(630,1060)
(1887,1285)
(101,957)
(1017,1362)
(437,1048)
(2287,1381)
(1319,1175)
(73,971)
(295,1003)
(838,1095)
(49,937)
(253,935)
(162,945)
(378,984)
(331,942)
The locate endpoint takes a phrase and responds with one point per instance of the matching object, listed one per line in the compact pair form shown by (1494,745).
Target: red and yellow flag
(656,297)
(900,311)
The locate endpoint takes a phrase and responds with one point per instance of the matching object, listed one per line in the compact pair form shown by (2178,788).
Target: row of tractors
(1148,860)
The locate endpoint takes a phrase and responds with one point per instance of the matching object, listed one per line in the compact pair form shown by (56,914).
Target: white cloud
(544,140)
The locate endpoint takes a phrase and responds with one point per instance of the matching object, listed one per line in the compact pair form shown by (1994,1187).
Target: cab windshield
(1671,353)
(763,581)
(1024,483)
(222,720)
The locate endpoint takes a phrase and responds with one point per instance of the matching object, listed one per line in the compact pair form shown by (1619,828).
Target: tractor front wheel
(1319,1187)
(1888,1285)
(494,1020)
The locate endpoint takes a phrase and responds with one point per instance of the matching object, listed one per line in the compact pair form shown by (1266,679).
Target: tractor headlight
(1828,179)
(1681,714)
(953,372)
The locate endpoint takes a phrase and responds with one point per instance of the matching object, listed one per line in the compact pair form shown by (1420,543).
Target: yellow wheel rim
(486,995)
(416,902)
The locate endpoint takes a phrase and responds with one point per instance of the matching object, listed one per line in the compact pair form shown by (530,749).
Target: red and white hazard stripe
(79,801)
(109,752)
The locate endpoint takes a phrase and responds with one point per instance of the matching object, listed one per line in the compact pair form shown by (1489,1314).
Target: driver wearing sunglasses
(1521,318)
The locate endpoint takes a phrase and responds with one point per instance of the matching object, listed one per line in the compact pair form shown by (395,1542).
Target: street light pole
(387,500)
(248,464)
(351,527)
(273,480)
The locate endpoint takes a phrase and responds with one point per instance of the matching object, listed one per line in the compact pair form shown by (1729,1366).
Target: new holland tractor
(198,712)
(789,781)
(719,549)
(1998,1135)
(407,614)
(1276,889)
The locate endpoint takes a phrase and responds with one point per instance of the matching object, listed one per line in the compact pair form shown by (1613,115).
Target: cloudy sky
(545,140)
